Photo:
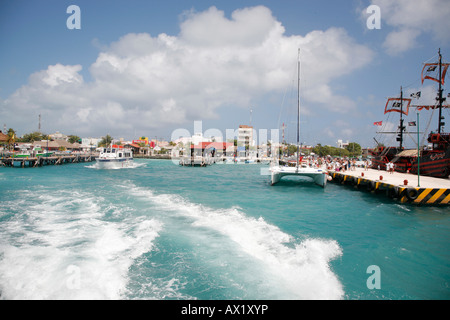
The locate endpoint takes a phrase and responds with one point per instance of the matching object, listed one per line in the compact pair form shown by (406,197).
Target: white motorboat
(277,172)
(115,157)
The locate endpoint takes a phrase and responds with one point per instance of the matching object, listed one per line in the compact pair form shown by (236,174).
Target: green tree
(354,149)
(323,151)
(106,141)
(292,149)
(73,139)
(32,137)
(11,138)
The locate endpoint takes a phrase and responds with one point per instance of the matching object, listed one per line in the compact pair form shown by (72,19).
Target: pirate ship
(432,160)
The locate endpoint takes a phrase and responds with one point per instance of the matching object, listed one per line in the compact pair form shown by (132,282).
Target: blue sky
(147,68)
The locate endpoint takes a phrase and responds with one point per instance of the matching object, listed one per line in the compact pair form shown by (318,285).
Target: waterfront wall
(438,194)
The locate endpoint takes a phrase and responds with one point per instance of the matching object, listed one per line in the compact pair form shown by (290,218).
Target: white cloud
(412,19)
(247,27)
(142,82)
(400,41)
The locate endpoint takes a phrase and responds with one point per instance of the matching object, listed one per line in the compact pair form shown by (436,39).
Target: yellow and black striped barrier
(424,195)
(404,194)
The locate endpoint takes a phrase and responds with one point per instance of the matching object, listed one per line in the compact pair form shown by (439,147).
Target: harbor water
(161,231)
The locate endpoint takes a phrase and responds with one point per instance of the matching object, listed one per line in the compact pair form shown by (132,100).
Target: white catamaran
(318,175)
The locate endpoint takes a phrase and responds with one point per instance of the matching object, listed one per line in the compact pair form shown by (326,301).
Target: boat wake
(130,242)
(64,246)
(287,268)
(116,166)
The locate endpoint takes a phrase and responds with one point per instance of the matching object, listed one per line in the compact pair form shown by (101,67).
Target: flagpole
(418,152)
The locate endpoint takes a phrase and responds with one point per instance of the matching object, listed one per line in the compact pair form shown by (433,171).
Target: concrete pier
(406,188)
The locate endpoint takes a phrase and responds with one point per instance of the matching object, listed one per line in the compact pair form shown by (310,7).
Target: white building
(342,144)
(89,143)
(245,140)
(245,136)
(196,139)
(58,136)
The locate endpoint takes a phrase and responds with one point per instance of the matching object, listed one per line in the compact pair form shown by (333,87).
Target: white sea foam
(292,268)
(116,166)
(62,248)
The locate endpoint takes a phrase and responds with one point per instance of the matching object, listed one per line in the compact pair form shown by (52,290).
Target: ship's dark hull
(403,164)
(433,163)
(380,159)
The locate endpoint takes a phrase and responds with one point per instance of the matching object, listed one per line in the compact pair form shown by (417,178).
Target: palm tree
(74,138)
(106,141)
(11,138)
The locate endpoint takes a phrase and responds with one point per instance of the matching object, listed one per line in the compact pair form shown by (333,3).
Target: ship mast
(401,127)
(440,99)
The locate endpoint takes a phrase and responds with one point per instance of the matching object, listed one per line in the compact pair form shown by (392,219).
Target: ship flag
(379,123)
(416,94)
(420,108)
(412,123)
(395,104)
(431,71)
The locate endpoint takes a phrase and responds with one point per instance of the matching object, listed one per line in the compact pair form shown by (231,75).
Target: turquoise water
(160,231)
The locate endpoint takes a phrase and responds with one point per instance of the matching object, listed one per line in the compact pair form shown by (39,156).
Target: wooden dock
(44,161)
(406,188)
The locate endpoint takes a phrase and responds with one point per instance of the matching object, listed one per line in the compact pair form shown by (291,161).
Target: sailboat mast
(298,108)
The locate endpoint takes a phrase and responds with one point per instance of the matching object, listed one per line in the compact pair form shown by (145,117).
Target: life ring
(393,192)
(411,194)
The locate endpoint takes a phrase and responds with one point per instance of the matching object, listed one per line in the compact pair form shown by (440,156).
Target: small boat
(115,157)
(23,153)
(38,152)
(319,176)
